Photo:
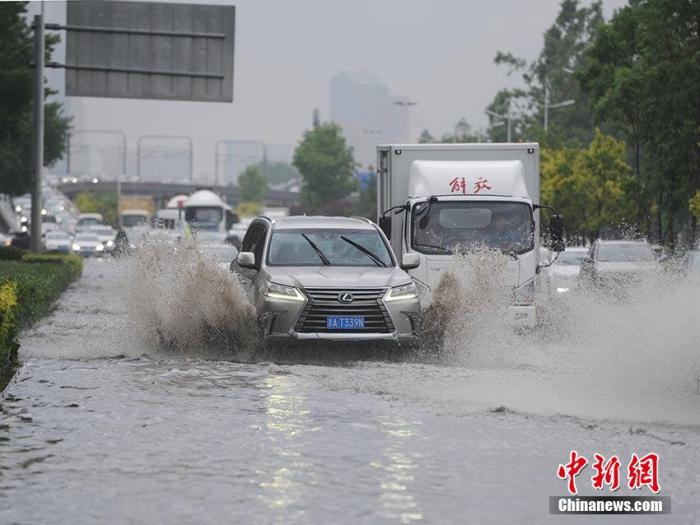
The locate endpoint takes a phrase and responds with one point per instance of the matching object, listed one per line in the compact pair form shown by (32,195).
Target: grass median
(29,286)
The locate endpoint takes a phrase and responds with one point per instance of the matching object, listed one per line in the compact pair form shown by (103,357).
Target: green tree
(589,186)
(326,165)
(104,203)
(252,184)
(564,45)
(694,205)
(643,72)
(425,137)
(16,54)
(279,172)
(367,205)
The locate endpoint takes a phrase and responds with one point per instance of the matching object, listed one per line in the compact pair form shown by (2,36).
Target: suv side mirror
(385,225)
(409,261)
(556,233)
(247,260)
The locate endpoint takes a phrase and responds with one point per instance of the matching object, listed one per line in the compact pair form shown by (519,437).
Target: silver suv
(333,278)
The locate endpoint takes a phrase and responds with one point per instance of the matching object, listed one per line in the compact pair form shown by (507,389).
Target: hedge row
(29,285)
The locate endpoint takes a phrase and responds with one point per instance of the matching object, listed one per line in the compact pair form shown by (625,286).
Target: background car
(87,220)
(106,234)
(564,272)
(614,264)
(223,254)
(58,241)
(87,244)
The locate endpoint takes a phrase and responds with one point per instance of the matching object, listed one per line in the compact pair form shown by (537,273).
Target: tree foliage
(367,205)
(104,203)
(643,72)
(565,43)
(589,186)
(326,165)
(16,54)
(279,172)
(252,184)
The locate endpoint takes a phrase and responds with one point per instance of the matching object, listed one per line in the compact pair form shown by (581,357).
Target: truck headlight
(76,246)
(280,291)
(99,248)
(401,293)
(525,293)
(109,243)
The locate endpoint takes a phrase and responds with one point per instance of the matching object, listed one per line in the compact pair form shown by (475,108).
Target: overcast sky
(437,52)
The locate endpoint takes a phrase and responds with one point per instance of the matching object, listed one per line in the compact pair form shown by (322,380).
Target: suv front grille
(366,302)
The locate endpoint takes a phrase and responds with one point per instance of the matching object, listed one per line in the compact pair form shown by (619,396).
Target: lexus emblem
(345,297)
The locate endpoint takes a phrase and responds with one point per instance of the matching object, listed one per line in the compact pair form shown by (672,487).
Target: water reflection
(286,424)
(397,477)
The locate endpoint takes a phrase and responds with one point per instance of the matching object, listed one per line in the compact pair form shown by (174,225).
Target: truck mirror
(556,233)
(385,225)
(409,261)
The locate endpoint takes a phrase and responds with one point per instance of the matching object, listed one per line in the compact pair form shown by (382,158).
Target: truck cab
(435,200)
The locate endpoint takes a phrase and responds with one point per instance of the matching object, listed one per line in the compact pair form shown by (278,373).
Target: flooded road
(101,426)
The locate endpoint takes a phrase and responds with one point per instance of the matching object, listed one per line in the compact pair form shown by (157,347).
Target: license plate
(345,322)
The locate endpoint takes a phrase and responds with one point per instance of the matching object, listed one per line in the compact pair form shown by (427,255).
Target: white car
(87,220)
(106,234)
(87,244)
(564,272)
(223,254)
(58,241)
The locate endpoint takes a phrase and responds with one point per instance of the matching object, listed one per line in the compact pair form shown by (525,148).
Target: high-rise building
(367,113)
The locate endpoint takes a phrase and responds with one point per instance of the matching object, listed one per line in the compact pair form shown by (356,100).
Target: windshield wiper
(364,250)
(318,251)
(432,247)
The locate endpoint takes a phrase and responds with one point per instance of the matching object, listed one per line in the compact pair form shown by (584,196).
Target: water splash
(181,300)
(625,351)
(465,320)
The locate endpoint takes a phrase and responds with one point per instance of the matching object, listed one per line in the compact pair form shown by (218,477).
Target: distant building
(368,113)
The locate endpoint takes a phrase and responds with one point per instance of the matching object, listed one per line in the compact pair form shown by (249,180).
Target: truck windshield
(444,226)
(328,247)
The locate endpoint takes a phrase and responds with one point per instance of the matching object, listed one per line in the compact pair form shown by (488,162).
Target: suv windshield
(440,227)
(328,247)
(637,252)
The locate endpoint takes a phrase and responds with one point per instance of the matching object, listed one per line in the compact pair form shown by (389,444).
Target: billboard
(150,50)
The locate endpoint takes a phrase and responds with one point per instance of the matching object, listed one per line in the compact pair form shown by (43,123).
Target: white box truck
(433,199)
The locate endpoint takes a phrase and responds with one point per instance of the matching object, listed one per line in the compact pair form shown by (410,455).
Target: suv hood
(338,276)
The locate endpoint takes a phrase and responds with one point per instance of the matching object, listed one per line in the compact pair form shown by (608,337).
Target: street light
(547,106)
(122,135)
(502,118)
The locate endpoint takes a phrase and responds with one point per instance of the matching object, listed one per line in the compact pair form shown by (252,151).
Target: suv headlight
(401,293)
(280,291)
(524,294)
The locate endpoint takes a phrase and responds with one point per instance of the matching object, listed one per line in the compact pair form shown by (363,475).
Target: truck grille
(324,302)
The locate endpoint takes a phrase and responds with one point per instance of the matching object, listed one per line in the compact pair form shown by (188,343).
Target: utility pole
(38,129)
(503,118)
(547,106)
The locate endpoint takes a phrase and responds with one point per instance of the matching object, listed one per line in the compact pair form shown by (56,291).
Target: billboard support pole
(38,133)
